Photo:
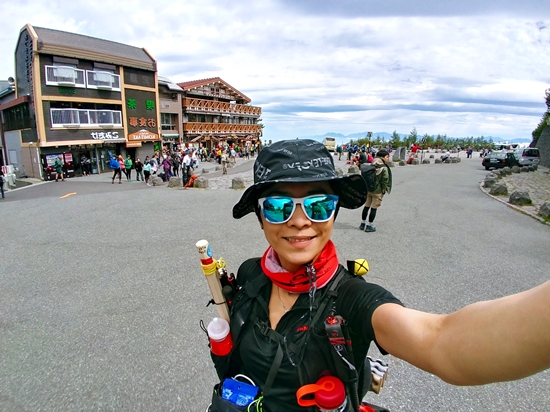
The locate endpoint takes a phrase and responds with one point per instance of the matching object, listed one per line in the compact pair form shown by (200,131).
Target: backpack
(368,172)
(356,376)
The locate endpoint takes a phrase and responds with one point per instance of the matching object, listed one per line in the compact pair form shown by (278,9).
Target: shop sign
(105,135)
(63,90)
(134,143)
(143,135)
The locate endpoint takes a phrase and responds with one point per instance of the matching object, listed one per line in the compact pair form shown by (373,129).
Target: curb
(517,208)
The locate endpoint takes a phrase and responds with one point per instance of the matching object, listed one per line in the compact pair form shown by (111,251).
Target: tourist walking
(2,180)
(147,171)
(115,167)
(224,163)
(154,165)
(58,165)
(383,186)
(176,165)
(139,169)
(122,164)
(167,166)
(128,164)
(83,165)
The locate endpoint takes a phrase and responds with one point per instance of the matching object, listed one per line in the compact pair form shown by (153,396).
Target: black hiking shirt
(356,303)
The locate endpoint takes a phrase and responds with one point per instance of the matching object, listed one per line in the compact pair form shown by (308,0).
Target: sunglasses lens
(318,208)
(277,209)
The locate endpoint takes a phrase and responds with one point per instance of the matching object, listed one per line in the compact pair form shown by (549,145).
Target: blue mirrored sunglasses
(279,209)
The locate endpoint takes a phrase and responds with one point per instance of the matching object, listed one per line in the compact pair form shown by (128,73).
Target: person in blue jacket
(115,166)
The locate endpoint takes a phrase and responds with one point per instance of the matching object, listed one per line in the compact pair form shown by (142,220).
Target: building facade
(79,96)
(7,94)
(216,113)
(171,119)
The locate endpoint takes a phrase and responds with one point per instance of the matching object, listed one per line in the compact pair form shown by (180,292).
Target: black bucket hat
(300,161)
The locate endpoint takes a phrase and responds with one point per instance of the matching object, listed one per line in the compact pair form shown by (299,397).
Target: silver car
(527,156)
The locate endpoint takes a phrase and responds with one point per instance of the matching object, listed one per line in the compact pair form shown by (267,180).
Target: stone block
(515,169)
(339,171)
(402,163)
(437,161)
(218,168)
(523,169)
(415,162)
(426,161)
(175,182)
(491,176)
(237,183)
(156,181)
(390,164)
(432,156)
(205,171)
(520,197)
(454,160)
(201,182)
(489,182)
(544,210)
(506,170)
(499,189)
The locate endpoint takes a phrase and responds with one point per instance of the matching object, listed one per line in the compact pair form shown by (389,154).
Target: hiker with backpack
(379,182)
(300,315)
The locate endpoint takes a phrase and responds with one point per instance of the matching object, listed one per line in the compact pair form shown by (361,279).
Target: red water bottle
(329,395)
(221,342)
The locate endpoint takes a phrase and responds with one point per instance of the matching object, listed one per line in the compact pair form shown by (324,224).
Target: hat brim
(351,190)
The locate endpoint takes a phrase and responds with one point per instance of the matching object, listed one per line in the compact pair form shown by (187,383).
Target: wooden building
(215,112)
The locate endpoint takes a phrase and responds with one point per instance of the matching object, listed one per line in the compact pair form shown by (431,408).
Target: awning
(196,139)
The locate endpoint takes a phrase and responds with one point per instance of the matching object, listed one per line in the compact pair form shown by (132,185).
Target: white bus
(330,143)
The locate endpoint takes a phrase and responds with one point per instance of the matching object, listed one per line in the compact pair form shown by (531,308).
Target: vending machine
(48,162)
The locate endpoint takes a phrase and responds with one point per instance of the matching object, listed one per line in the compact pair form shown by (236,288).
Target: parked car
(499,160)
(527,156)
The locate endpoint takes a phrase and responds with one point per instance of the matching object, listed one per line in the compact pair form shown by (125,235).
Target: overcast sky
(460,68)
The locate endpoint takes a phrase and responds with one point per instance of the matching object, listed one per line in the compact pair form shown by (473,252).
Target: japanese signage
(142,135)
(141,112)
(105,135)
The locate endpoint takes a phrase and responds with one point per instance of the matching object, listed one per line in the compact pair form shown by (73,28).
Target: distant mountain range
(341,138)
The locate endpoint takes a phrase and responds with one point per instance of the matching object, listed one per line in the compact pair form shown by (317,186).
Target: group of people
(169,163)
(119,165)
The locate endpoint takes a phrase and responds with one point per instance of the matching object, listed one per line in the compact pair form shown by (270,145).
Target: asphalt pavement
(101,292)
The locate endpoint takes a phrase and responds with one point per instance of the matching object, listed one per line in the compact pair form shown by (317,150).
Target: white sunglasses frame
(295,202)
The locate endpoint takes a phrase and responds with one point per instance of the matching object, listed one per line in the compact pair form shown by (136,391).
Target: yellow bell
(360,267)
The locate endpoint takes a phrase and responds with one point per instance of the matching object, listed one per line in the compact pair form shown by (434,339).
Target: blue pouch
(237,392)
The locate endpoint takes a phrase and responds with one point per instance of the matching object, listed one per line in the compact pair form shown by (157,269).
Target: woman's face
(298,241)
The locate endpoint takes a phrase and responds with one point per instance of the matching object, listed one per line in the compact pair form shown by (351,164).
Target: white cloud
(457,70)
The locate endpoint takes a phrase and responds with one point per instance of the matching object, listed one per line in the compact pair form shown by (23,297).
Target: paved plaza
(101,292)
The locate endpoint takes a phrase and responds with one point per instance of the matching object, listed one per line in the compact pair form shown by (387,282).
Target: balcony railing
(192,105)
(102,80)
(64,76)
(71,118)
(220,128)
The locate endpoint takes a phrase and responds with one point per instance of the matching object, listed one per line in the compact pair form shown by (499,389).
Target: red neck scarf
(299,282)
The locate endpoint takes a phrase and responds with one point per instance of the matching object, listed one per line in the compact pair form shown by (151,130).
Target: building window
(102,80)
(15,118)
(168,121)
(64,76)
(68,118)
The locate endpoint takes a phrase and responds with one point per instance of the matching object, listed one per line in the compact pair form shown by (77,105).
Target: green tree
(395,139)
